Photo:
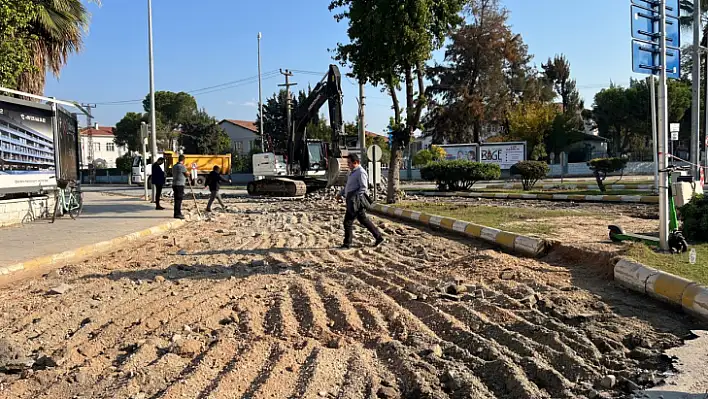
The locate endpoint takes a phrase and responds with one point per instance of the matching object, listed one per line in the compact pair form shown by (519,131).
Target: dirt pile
(258,303)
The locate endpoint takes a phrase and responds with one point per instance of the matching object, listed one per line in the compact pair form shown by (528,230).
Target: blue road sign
(645,59)
(645,26)
(672,6)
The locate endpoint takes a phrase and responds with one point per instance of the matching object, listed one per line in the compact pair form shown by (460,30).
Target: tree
(484,74)
(275,121)
(15,57)
(557,72)
(124,163)
(202,135)
(171,110)
(55,32)
(390,42)
(127,131)
(532,122)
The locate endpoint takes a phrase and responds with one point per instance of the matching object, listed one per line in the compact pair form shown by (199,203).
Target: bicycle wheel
(76,203)
(57,205)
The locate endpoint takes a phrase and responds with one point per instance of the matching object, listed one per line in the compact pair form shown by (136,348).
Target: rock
(608,381)
(220,231)
(335,343)
(182,252)
(59,290)
(186,347)
(159,279)
(139,395)
(12,357)
(204,240)
(322,393)
(507,274)
(259,263)
(640,353)
(387,393)
(530,300)
(455,289)
(386,383)
(436,350)
(43,362)
(450,297)
(187,328)
(176,338)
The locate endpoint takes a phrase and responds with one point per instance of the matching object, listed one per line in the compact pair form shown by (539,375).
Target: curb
(528,246)
(549,197)
(690,296)
(90,250)
(628,186)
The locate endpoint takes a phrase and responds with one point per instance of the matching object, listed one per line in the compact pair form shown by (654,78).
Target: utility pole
(663,133)
(260,95)
(288,107)
(153,122)
(362,125)
(90,154)
(696,108)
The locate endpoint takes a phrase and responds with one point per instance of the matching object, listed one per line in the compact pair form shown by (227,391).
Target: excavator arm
(329,90)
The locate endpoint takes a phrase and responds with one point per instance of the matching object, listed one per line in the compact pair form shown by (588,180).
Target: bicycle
(68,199)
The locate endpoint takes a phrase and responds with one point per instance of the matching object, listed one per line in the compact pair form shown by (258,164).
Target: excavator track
(277,187)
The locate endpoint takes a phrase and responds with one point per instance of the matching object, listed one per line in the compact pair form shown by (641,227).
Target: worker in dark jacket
(357,202)
(213,181)
(158,181)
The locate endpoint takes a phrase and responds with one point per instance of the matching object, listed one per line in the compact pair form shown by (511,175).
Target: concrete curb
(528,246)
(691,296)
(548,197)
(628,186)
(90,250)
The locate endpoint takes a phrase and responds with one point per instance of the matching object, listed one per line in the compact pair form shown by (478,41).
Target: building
(104,147)
(22,147)
(243,134)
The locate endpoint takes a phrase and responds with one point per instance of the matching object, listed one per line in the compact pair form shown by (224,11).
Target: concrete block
(460,226)
(633,275)
(695,300)
(667,287)
(489,234)
(529,246)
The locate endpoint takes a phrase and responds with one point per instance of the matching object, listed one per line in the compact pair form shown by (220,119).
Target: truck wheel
(200,181)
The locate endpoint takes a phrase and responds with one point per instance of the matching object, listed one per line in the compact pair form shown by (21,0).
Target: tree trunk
(394,173)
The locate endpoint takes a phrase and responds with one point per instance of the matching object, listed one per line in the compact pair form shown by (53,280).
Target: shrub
(124,163)
(695,218)
(601,167)
(422,158)
(531,172)
(459,174)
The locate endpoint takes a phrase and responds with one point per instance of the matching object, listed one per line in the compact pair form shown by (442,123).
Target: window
(97,146)
(110,147)
(238,147)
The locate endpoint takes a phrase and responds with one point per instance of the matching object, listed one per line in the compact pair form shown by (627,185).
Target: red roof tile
(101,131)
(250,125)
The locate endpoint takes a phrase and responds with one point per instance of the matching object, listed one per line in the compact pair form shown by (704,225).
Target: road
(259,303)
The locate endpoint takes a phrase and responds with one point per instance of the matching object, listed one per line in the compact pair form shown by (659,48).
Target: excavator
(309,165)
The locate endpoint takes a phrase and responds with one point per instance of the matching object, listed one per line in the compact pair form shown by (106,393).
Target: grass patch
(674,264)
(509,219)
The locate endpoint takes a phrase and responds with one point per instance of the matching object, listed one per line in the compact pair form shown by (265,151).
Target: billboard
(28,151)
(505,155)
(467,152)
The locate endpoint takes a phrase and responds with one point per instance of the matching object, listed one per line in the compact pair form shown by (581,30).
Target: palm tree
(686,8)
(57,32)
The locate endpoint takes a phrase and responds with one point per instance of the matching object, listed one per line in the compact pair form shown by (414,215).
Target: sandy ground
(259,303)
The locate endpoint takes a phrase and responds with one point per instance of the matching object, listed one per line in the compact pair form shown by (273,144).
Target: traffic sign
(373,153)
(645,26)
(674,127)
(672,6)
(674,136)
(645,59)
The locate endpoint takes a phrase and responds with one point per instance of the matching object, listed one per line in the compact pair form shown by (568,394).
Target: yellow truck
(198,165)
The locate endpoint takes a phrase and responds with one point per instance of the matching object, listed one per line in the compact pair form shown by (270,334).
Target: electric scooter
(677,243)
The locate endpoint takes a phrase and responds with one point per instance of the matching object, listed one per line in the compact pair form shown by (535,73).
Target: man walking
(158,181)
(213,181)
(357,202)
(179,180)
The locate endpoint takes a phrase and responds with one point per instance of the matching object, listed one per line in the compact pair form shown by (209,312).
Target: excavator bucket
(337,172)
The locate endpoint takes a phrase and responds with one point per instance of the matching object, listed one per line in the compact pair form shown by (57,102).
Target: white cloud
(230,102)
(252,104)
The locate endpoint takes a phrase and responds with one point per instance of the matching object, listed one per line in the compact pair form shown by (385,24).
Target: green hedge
(695,218)
(531,172)
(459,174)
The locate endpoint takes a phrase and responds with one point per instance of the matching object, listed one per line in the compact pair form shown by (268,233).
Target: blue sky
(211,42)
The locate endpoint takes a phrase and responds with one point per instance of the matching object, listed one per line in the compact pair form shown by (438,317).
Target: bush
(695,218)
(531,172)
(601,167)
(124,163)
(424,157)
(459,174)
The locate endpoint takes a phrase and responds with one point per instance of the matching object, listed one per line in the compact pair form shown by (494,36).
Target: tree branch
(421,97)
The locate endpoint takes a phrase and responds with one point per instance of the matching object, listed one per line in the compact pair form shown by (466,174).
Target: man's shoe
(181,217)
(159,208)
(379,241)
(345,246)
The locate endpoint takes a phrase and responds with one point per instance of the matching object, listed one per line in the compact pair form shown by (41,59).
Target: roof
(248,125)
(101,131)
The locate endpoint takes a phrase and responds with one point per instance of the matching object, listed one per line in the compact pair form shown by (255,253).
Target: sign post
(674,128)
(656,38)
(374,153)
(143,137)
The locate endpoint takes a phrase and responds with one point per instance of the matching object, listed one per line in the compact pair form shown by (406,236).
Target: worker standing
(179,180)
(213,181)
(357,200)
(158,180)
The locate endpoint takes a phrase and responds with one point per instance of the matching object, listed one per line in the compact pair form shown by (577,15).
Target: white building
(104,148)
(243,134)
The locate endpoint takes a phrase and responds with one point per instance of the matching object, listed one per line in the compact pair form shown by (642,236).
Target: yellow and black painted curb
(528,246)
(646,199)
(90,250)
(689,295)
(517,186)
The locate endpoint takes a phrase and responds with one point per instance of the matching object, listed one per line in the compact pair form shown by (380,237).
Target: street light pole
(260,95)
(153,123)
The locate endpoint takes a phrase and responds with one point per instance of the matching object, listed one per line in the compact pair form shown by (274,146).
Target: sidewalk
(104,218)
